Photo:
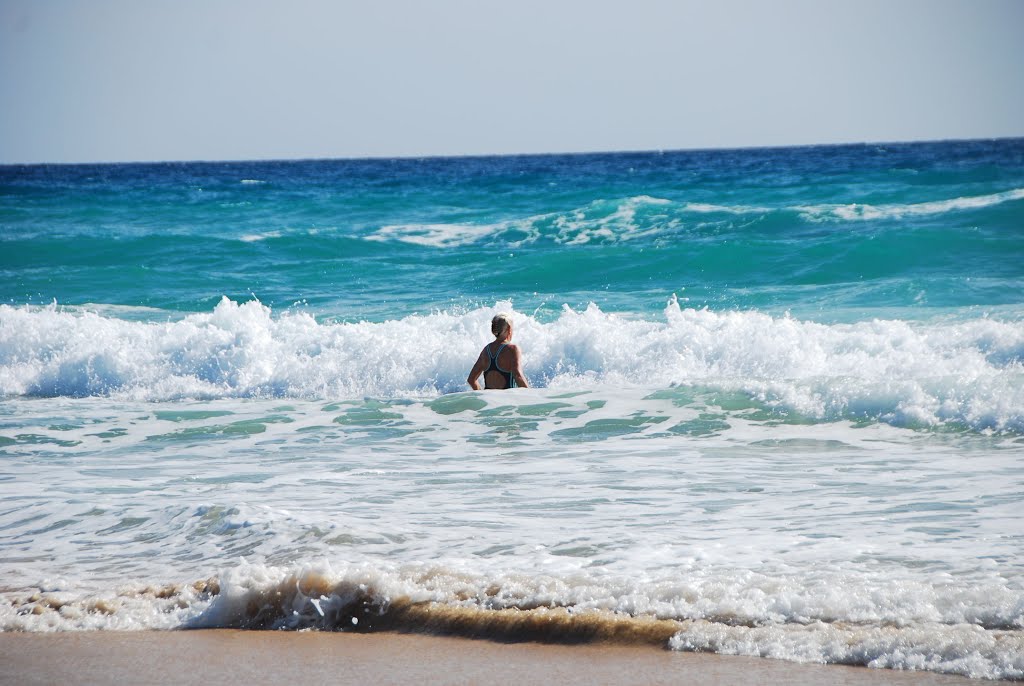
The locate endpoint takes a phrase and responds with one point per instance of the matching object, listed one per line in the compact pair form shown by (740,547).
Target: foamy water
(822,542)
(962,371)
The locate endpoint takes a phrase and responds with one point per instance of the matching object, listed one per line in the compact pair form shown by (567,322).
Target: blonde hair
(500,324)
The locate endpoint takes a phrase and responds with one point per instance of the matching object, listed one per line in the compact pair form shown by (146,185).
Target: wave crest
(642,216)
(859,212)
(968,373)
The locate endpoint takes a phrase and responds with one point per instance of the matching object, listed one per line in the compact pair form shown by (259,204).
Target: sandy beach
(256,658)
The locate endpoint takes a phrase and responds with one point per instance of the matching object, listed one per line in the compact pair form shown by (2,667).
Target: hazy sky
(107,80)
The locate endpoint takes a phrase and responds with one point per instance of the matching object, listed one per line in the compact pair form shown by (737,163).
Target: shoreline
(262,658)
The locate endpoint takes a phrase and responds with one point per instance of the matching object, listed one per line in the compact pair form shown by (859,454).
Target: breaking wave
(846,620)
(964,373)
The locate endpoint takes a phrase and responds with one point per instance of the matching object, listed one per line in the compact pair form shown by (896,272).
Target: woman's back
(502,359)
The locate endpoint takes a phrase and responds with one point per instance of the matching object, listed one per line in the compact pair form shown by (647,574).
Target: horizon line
(659,151)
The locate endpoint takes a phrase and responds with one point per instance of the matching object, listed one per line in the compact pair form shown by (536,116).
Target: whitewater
(776,403)
(957,372)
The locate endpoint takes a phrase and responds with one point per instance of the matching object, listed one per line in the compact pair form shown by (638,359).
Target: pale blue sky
(120,80)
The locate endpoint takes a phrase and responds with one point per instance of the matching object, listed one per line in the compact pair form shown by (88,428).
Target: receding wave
(853,621)
(967,373)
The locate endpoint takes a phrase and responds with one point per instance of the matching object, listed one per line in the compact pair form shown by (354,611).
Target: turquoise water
(810,230)
(777,398)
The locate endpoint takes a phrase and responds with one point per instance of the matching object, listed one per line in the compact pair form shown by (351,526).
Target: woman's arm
(476,371)
(517,368)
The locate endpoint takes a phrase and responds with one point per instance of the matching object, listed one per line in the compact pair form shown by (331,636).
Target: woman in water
(498,361)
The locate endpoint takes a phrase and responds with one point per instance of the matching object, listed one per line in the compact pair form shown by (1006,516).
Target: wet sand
(258,658)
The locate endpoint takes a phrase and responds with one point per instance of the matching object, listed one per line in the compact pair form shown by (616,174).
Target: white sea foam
(904,626)
(962,649)
(256,237)
(966,372)
(856,211)
(600,221)
(706,208)
(124,608)
(615,221)
(434,235)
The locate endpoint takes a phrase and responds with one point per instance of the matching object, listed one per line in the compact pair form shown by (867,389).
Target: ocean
(776,403)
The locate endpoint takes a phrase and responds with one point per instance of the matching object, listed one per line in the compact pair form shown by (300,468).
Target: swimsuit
(510,382)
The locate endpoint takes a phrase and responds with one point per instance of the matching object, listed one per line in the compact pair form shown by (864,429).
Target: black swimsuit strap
(510,381)
(494,357)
